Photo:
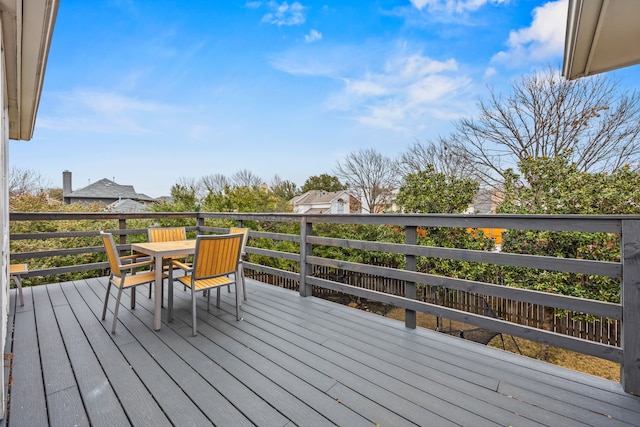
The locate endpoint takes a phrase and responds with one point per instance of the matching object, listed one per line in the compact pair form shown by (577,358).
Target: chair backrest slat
(216,255)
(167,234)
(245,233)
(112,253)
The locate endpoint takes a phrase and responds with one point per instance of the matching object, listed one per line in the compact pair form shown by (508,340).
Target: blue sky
(148,92)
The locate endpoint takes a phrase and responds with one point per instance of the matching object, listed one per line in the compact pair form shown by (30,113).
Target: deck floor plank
(63,397)
(177,380)
(301,404)
(581,404)
(291,361)
(28,404)
(140,406)
(413,405)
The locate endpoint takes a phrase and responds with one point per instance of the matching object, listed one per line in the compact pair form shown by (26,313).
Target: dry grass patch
(568,359)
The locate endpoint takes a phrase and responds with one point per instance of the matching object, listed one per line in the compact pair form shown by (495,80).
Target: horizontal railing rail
(302,260)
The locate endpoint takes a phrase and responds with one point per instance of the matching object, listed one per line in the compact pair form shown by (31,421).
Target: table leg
(157,310)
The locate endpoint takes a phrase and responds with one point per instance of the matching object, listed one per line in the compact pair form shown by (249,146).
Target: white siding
(4,214)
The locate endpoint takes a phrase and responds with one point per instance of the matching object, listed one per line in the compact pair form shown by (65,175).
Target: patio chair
(245,233)
(167,235)
(15,271)
(215,260)
(119,278)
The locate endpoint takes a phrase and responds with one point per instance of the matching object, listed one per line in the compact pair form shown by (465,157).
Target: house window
(340,206)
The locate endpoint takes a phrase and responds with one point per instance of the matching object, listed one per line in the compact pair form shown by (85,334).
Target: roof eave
(27,30)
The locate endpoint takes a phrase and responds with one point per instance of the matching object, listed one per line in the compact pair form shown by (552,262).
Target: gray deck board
(291,361)
(28,402)
(63,397)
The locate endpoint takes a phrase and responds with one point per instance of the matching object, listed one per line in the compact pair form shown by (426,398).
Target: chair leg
(218,297)
(238,298)
(170,295)
(242,281)
(106,299)
(208,299)
(115,310)
(16,279)
(133,298)
(193,311)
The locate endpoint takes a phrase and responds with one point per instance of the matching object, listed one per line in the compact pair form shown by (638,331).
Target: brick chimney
(66,187)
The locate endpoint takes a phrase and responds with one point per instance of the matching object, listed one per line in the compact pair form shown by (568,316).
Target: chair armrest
(137,264)
(181,265)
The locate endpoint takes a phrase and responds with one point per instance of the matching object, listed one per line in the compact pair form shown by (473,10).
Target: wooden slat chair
(167,235)
(215,261)
(245,233)
(119,278)
(15,271)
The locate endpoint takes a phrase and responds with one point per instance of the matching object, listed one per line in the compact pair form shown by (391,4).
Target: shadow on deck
(291,361)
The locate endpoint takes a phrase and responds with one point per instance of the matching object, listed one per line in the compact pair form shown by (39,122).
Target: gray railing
(626,270)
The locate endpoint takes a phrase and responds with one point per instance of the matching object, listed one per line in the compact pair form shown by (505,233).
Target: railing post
(411,233)
(199,224)
(306,229)
(122,225)
(630,298)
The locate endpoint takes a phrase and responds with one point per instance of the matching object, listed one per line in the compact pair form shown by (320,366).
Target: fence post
(630,290)
(411,233)
(306,229)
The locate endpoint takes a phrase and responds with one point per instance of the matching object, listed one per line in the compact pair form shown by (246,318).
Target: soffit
(602,35)
(27,29)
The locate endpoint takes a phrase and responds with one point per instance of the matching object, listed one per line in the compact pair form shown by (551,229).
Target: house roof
(317,196)
(127,205)
(601,35)
(107,189)
(27,29)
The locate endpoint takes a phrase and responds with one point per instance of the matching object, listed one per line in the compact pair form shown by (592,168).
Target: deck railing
(303,260)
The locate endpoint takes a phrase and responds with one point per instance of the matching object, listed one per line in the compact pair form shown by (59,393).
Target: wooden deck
(291,361)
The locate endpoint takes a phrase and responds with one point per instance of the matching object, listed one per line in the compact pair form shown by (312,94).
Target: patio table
(160,250)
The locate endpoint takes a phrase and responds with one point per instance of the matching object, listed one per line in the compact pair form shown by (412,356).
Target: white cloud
(403,94)
(253,4)
(99,111)
(453,6)
(313,36)
(542,40)
(285,14)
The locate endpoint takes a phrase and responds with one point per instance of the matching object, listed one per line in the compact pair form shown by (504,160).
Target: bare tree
(283,189)
(588,119)
(215,183)
(190,186)
(246,178)
(25,181)
(371,176)
(443,156)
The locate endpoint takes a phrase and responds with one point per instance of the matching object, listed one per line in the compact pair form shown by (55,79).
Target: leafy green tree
(283,189)
(242,199)
(40,202)
(324,182)
(557,186)
(428,191)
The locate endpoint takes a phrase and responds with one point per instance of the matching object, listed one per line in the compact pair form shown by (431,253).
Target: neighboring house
(26,29)
(485,202)
(325,202)
(103,191)
(127,206)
